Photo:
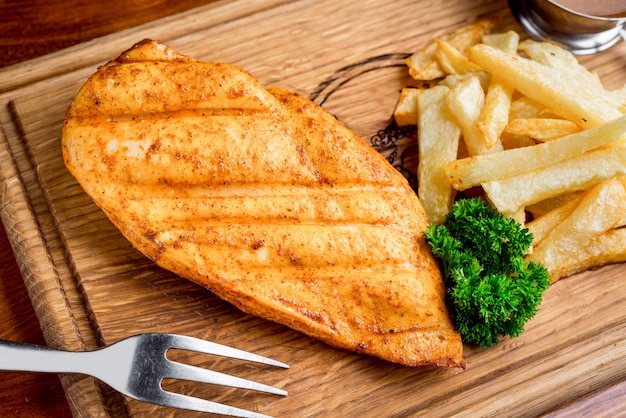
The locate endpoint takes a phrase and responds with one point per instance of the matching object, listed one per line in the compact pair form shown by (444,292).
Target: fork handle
(16,356)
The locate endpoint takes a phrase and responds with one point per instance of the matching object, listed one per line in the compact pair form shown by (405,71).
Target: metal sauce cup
(580,33)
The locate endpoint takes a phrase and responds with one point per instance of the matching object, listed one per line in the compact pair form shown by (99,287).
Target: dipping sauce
(601,8)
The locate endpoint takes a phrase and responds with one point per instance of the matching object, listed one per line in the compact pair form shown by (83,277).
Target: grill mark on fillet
(245,208)
(174,114)
(192,191)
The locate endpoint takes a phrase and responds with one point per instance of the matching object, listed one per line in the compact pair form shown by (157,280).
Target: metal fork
(137,365)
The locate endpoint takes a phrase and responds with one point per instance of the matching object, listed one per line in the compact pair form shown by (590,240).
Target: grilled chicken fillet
(264,198)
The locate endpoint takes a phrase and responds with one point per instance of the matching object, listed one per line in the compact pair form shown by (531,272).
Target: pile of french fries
(524,123)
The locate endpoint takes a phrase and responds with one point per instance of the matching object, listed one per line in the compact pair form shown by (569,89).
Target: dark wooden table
(30,29)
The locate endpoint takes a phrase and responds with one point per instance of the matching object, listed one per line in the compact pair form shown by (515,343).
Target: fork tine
(207,347)
(197,374)
(201,405)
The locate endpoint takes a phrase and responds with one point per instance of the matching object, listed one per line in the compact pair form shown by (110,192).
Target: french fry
(438,141)
(575,173)
(620,93)
(423,64)
(568,97)
(472,171)
(519,216)
(599,211)
(552,55)
(452,79)
(563,60)
(543,207)
(542,226)
(494,115)
(541,135)
(507,41)
(606,248)
(465,101)
(452,61)
(525,108)
(405,112)
(542,129)
(622,220)
(510,141)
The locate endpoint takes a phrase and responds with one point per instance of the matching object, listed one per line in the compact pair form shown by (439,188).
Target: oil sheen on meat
(265,199)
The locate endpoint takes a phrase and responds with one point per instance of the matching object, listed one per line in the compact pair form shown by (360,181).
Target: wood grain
(34,28)
(104,290)
(23,395)
(30,29)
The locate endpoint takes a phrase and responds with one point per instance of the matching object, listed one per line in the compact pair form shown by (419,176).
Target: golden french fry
(542,225)
(541,208)
(606,248)
(525,108)
(575,173)
(405,112)
(620,93)
(494,115)
(452,61)
(541,135)
(438,141)
(568,97)
(507,41)
(475,170)
(423,64)
(564,61)
(542,129)
(600,210)
(465,101)
(554,56)
(510,141)
(519,216)
(622,220)
(452,79)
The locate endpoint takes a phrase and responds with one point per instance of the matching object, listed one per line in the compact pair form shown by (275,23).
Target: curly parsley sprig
(493,290)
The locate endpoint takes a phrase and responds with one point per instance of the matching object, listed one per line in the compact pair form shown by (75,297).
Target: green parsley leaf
(493,290)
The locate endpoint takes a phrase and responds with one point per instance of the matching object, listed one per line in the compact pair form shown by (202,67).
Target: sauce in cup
(600,8)
(582,26)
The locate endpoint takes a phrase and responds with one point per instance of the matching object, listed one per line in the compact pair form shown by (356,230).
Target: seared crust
(265,199)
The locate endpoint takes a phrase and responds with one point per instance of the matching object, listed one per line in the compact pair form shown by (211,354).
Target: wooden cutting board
(91,288)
